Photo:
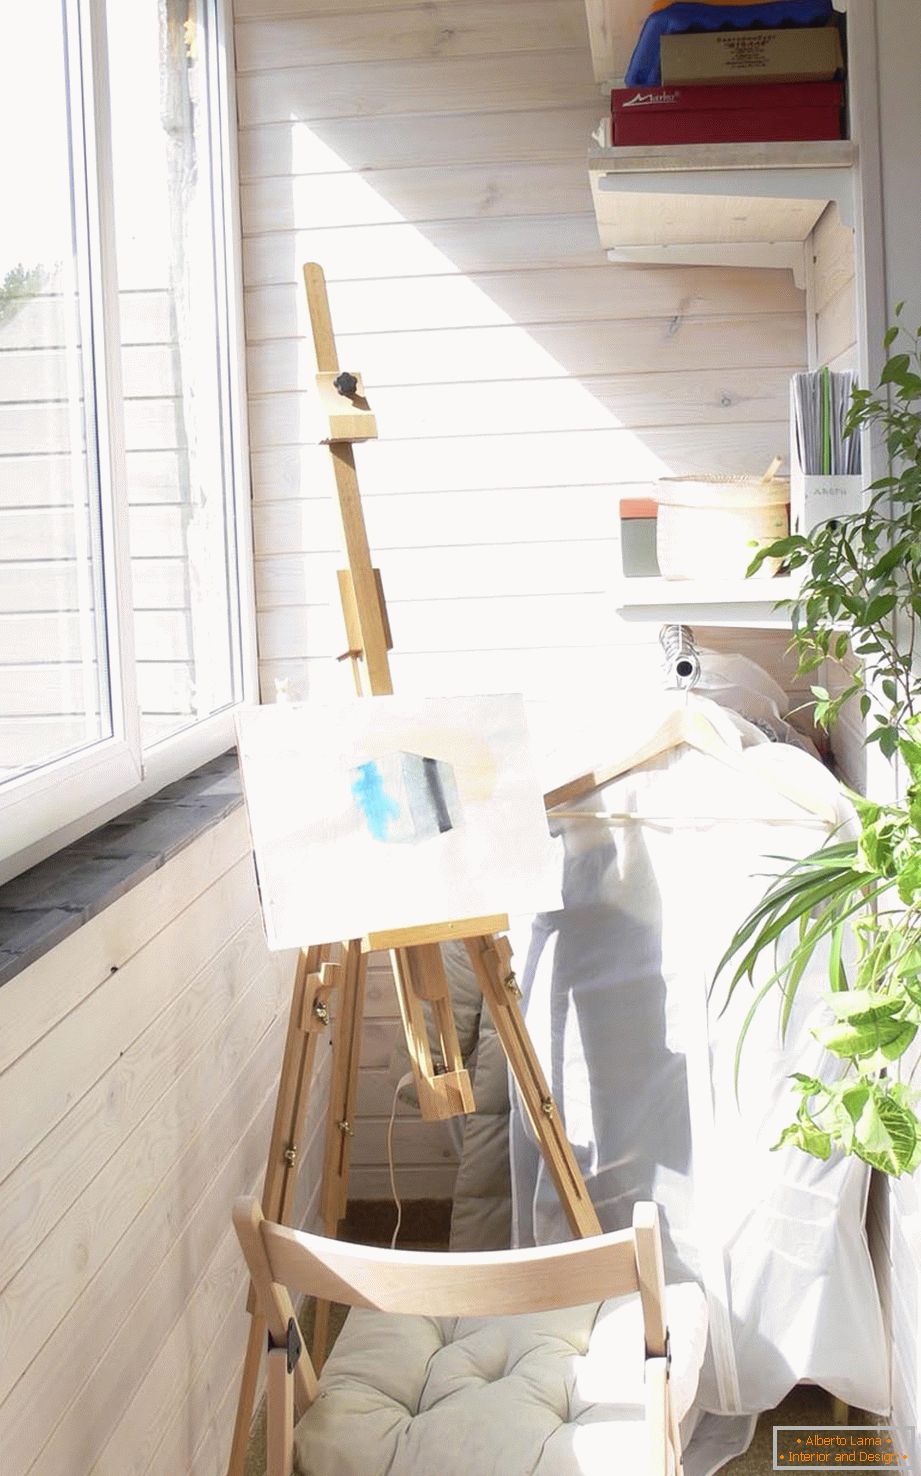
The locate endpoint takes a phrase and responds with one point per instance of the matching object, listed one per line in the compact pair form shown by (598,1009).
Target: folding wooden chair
(429,1391)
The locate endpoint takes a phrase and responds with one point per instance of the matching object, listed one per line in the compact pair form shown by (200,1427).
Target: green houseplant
(858,899)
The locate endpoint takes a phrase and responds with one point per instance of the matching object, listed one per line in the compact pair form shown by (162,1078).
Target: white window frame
(53,805)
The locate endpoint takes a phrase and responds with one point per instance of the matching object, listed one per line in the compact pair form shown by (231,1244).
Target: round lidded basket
(711,527)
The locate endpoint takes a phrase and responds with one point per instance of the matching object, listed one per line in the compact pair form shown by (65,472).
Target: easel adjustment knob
(321,1012)
(346,1127)
(290,1155)
(345,383)
(512,985)
(546,1106)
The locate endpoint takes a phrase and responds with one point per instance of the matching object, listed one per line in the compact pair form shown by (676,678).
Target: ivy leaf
(909,880)
(886,1135)
(858,1005)
(807,1136)
(910,749)
(864,1040)
(810,1086)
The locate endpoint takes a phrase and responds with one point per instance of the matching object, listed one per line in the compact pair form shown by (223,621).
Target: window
(124,639)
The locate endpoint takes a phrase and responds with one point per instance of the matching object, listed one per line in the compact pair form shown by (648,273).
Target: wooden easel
(419,974)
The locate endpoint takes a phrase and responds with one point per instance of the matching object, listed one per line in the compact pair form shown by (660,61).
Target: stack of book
(737,86)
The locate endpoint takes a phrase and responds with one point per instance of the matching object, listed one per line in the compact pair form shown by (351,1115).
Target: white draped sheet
(641,1064)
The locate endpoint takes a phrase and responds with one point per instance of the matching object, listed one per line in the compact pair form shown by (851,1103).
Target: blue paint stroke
(378,807)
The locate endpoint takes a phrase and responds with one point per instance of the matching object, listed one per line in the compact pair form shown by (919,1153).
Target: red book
(727,113)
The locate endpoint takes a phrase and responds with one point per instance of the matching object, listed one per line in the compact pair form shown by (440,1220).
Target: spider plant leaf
(836,974)
(746,1025)
(793,908)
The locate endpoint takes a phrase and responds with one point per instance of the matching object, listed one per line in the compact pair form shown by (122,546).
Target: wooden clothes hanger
(703,725)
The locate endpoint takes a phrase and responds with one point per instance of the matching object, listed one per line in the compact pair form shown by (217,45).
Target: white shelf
(718,204)
(709,602)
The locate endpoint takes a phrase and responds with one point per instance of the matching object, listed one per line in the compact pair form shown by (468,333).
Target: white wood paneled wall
(432,157)
(138,1063)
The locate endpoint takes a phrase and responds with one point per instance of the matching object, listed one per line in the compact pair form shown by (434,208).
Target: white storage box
(817,498)
(712,527)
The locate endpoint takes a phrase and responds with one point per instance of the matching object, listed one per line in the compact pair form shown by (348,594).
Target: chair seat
(548,1394)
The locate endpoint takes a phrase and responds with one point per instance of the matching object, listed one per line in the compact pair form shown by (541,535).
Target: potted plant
(860,592)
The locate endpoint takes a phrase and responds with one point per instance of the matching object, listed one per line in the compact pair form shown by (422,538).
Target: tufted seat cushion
(548,1394)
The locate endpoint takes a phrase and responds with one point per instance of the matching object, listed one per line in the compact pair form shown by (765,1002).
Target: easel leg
(492,962)
(306,1021)
(339,1123)
(419,974)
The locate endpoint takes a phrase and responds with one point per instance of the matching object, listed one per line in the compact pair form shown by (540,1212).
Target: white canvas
(390,812)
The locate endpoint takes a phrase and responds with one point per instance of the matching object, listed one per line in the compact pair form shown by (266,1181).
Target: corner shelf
(751,204)
(708,602)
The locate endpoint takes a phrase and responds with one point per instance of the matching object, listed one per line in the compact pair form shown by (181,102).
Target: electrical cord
(405,1080)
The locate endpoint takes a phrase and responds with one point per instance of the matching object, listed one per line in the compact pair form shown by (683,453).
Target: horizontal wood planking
(833,257)
(156,1264)
(834,291)
(415,1143)
(343,144)
(434,1181)
(33,1002)
(835,326)
(563,622)
(275,9)
(313,201)
(556,459)
(139,1297)
(702,397)
(509,515)
(120,1207)
(567,671)
(497,84)
(669,298)
(392,252)
(64,1263)
(88,1042)
(499,352)
(54,1174)
(448,30)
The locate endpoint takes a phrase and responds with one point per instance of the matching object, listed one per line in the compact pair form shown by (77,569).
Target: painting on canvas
(389,812)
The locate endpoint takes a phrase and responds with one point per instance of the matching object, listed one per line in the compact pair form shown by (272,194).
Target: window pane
(171,271)
(54,694)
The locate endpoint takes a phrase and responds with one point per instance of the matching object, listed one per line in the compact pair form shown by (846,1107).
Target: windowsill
(43,906)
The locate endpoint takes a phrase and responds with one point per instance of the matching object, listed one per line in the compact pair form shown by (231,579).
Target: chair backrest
(483,1284)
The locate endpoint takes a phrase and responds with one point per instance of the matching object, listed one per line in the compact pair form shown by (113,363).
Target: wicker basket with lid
(711,527)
